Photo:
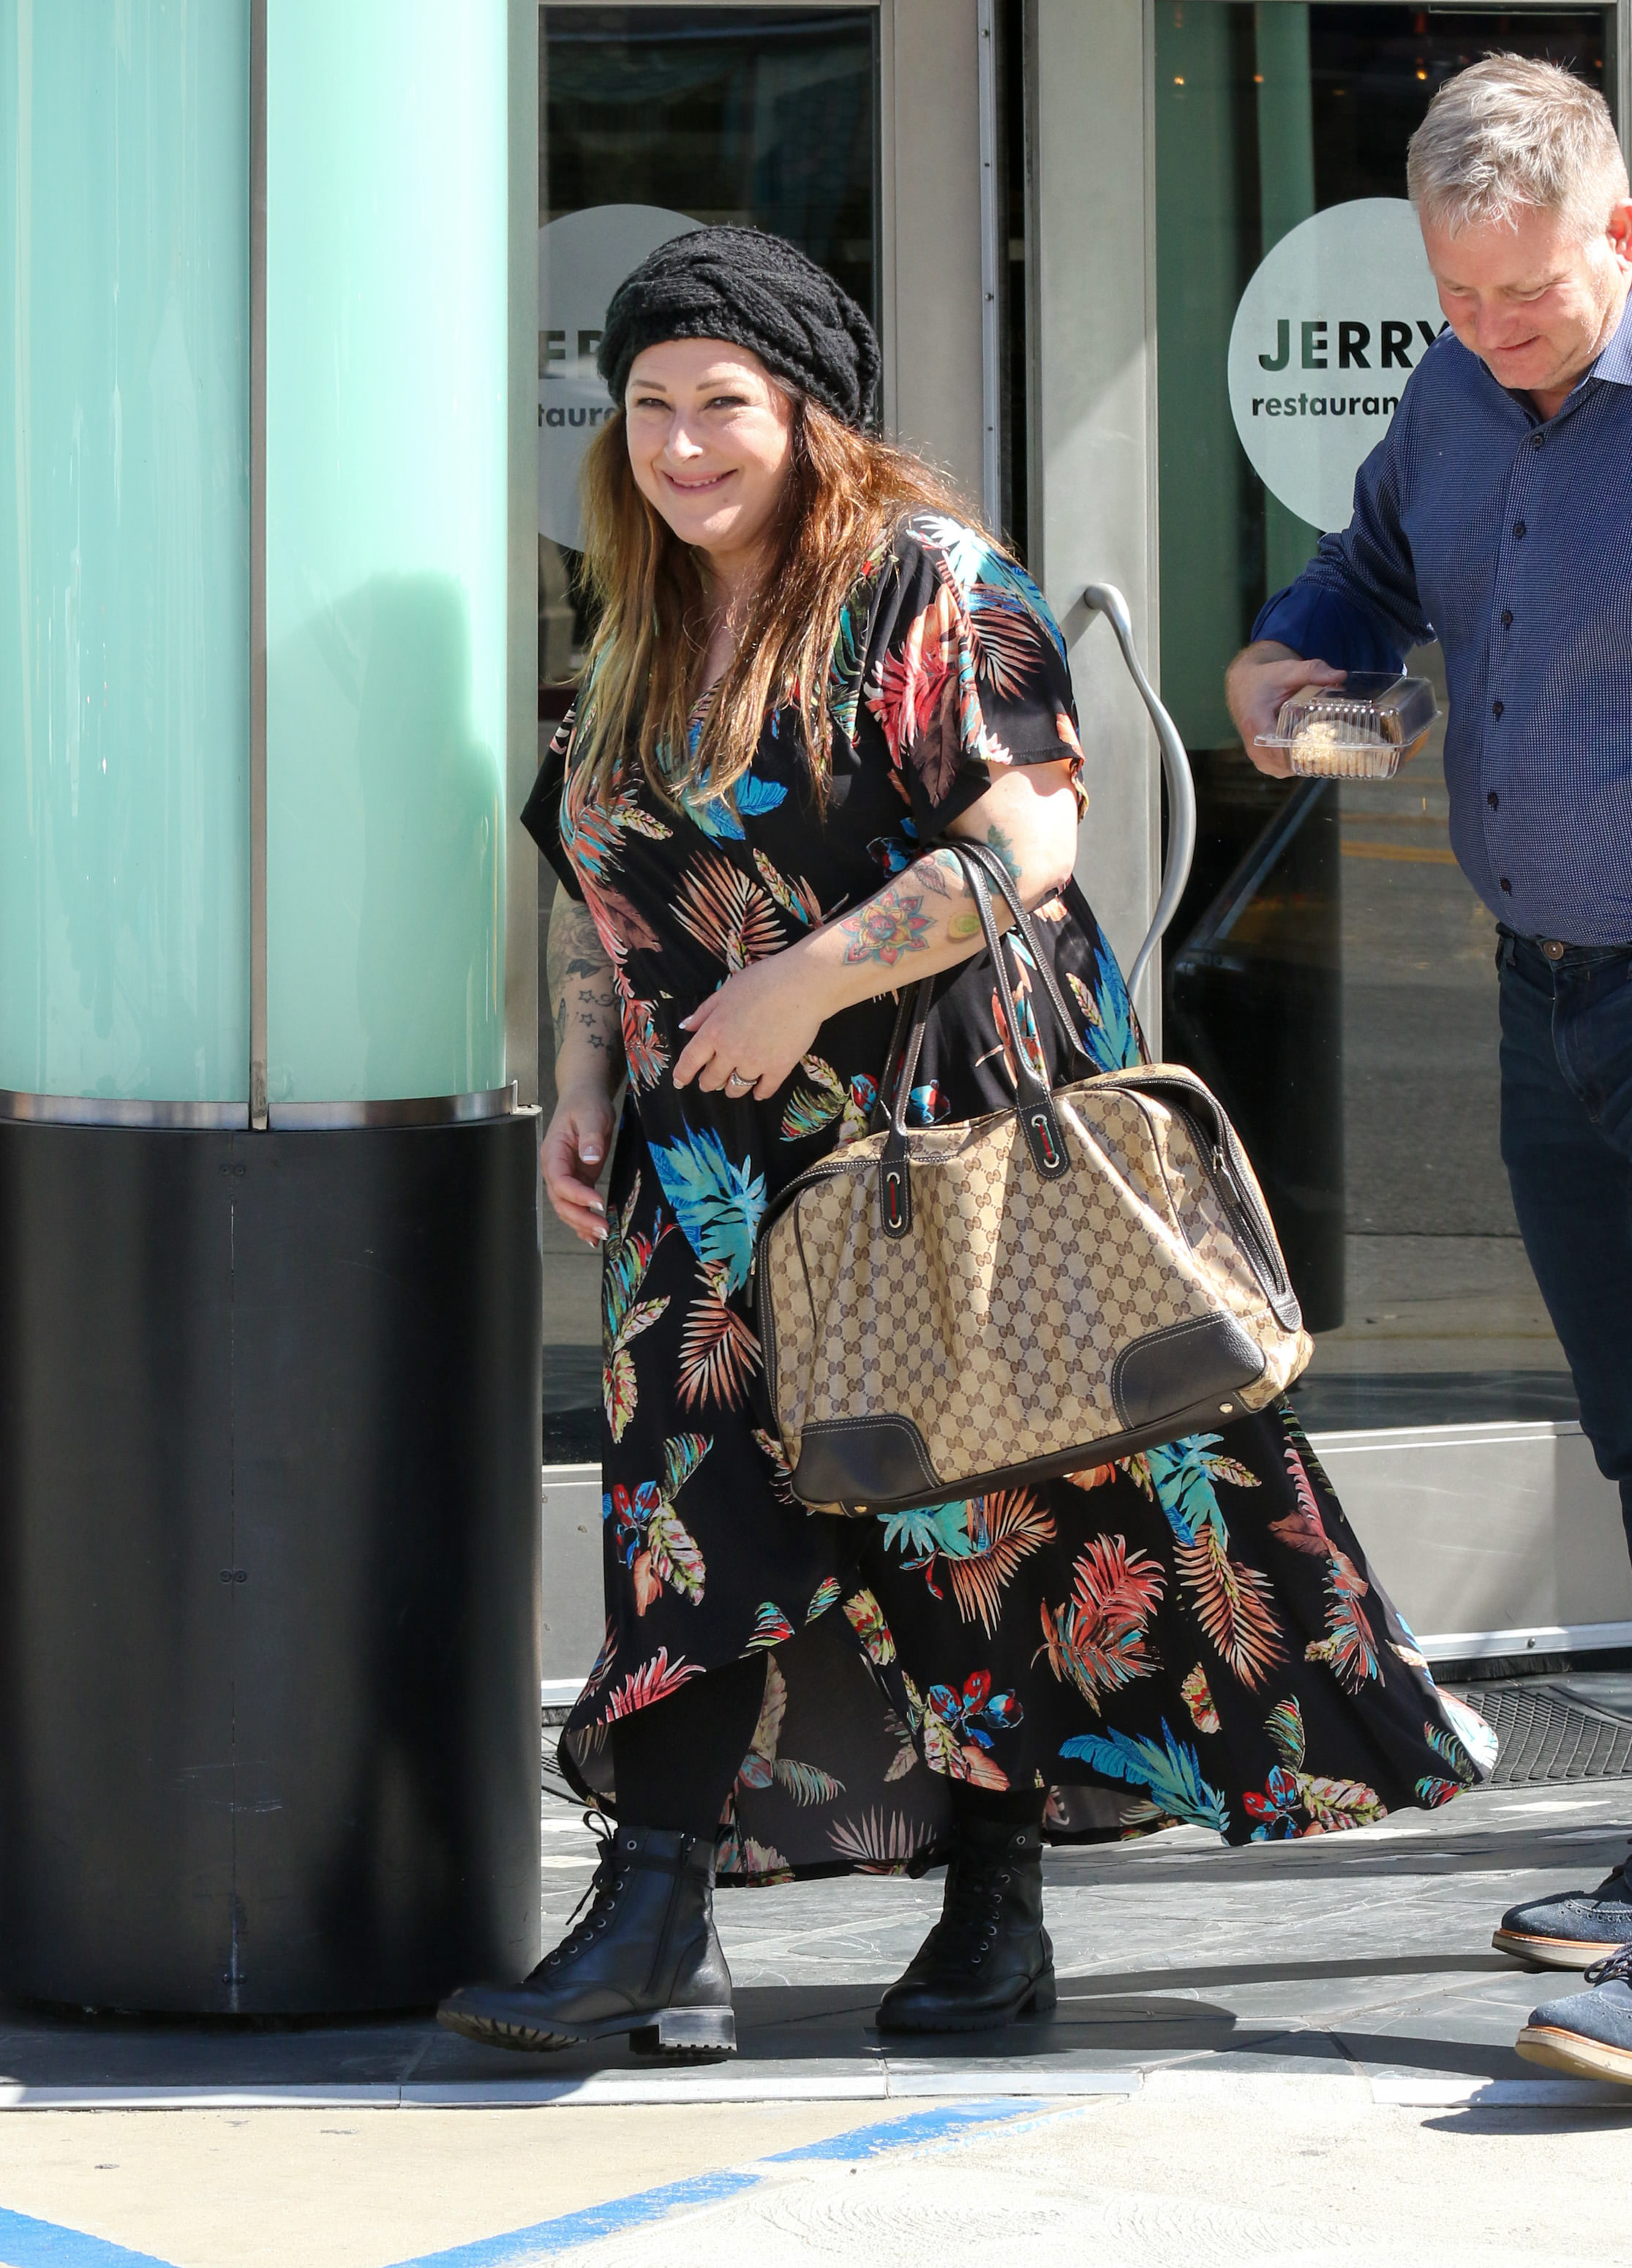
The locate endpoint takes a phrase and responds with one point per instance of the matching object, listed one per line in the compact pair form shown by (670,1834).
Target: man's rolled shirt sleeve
(1355,604)
(1325,625)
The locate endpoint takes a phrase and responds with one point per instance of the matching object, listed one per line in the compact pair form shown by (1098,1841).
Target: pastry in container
(1365,728)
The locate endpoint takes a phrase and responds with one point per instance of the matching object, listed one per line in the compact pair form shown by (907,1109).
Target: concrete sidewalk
(1190,2168)
(1292,2053)
(1362,1954)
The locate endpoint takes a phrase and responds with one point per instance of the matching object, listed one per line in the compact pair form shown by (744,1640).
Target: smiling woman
(769,482)
(708,436)
(811,669)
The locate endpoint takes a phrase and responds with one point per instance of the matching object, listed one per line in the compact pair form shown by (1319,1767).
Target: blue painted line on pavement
(520,2248)
(26,2242)
(906,2133)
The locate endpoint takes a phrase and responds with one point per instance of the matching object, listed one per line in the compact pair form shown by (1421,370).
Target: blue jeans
(1567,1144)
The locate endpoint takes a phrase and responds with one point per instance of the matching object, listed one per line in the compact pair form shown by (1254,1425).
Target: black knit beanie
(755,290)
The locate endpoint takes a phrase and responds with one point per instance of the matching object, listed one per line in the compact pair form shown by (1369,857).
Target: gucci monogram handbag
(1037,1292)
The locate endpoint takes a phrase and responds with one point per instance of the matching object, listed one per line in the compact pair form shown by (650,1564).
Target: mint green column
(124,549)
(386,498)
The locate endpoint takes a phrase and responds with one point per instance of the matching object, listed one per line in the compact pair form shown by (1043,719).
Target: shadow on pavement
(1411,1986)
(1474,2120)
(1350,1859)
(1287,1972)
(1099,2022)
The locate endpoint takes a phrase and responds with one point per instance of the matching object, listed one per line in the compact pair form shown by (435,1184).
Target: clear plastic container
(1362,729)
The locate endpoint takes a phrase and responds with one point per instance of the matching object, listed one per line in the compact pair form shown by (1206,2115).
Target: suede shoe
(1572,1928)
(988,1958)
(1589,2035)
(644,1960)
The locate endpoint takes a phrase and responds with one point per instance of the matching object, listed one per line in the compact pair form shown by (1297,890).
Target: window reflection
(1329,970)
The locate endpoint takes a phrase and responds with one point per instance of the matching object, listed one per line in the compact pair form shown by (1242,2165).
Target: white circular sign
(583,258)
(1328,332)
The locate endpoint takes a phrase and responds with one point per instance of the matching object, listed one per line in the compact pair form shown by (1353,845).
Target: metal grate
(1547,1737)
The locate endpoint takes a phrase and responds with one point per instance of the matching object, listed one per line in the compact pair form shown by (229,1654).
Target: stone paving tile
(1367,1950)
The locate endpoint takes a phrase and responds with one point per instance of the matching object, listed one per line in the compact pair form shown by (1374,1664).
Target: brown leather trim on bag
(879,1460)
(1203,1358)
(1200,1417)
(765,1316)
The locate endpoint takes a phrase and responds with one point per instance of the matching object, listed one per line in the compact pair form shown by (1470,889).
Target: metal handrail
(1105,599)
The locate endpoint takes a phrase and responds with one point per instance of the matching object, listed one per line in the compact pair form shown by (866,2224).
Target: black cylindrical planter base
(268,1565)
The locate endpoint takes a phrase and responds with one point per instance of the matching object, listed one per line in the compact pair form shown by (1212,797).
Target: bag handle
(1035,1104)
(998,874)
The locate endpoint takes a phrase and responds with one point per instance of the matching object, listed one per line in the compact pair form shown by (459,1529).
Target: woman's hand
(747,1037)
(575,1142)
(589,1050)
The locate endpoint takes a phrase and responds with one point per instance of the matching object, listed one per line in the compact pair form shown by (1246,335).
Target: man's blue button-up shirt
(1510,541)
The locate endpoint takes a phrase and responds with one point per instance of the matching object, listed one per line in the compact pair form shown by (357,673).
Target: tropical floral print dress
(1191,1634)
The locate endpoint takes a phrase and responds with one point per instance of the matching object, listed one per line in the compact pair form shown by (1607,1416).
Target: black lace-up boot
(988,1958)
(644,1960)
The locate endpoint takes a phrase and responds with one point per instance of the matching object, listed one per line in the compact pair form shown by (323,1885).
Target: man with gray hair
(1496,516)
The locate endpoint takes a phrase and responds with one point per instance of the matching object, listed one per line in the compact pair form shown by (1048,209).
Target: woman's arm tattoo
(941,874)
(888,925)
(582,994)
(894,922)
(1004,846)
(928,914)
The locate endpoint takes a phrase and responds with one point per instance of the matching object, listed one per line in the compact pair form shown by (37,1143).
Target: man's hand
(1257,681)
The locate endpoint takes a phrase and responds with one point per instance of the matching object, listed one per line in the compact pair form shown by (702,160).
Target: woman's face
(709,440)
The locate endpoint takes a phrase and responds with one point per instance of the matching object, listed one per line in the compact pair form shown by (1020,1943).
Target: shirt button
(1507,886)
(1495,708)
(1493,800)
(1519,528)
(1535,440)
(1507,618)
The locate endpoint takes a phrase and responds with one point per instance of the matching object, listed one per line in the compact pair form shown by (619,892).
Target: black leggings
(675,1763)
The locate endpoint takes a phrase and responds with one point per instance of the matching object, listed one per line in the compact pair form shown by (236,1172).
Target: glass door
(1329,970)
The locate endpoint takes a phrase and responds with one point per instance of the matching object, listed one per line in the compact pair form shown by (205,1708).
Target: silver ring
(736,1078)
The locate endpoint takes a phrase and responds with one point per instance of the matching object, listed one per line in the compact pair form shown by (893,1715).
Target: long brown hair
(846,494)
